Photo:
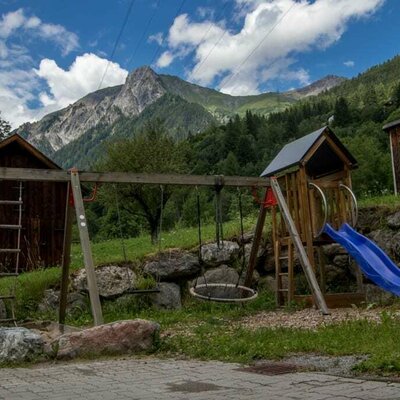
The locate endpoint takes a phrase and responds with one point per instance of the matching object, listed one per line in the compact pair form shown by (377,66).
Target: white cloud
(18,20)
(280,35)
(349,63)
(165,59)
(157,37)
(83,77)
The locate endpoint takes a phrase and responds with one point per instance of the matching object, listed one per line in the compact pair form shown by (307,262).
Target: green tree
(151,151)
(342,112)
(5,128)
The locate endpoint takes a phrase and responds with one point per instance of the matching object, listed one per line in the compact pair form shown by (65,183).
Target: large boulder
(221,274)
(173,265)
(383,238)
(122,337)
(393,220)
(213,255)
(112,280)
(168,298)
(19,344)
(77,302)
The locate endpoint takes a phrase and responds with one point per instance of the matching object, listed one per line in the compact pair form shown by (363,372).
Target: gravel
(312,319)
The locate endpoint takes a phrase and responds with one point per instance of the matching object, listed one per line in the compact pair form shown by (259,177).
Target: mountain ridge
(143,88)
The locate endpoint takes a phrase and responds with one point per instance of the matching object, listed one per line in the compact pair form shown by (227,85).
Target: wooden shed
(43,209)
(393,129)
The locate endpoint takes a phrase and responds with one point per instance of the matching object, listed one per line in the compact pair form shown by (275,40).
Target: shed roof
(391,125)
(294,152)
(16,138)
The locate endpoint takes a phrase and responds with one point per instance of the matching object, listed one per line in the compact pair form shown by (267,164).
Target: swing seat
(223,292)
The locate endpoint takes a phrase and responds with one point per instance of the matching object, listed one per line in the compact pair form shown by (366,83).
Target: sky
(53,52)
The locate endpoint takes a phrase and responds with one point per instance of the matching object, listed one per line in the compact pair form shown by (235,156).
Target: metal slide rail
(354,212)
(325,204)
(305,262)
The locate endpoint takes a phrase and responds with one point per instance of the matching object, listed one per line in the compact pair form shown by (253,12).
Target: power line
(159,45)
(198,67)
(258,45)
(128,12)
(144,33)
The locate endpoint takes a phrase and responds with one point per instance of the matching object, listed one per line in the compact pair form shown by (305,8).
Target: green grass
(221,342)
(389,200)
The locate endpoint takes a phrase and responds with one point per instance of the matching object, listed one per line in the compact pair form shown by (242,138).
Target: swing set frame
(75,202)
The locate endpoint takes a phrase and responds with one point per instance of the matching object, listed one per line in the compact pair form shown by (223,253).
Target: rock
(383,238)
(169,297)
(173,265)
(112,280)
(330,250)
(396,245)
(3,310)
(214,256)
(374,294)
(76,302)
(393,220)
(19,344)
(269,283)
(122,337)
(371,219)
(335,275)
(221,274)
(341,260)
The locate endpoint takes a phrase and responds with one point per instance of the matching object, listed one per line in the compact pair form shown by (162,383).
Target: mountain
(72,135)
(317,87)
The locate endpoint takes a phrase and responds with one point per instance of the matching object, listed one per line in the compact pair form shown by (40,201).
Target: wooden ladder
(284,290)
(11,296)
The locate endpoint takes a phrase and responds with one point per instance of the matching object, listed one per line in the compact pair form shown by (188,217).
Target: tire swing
(222,292)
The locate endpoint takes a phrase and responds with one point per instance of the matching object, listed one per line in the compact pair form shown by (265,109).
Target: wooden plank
(256,244)
(28,174)
(334,300)
(86,248)
(304,260)
(66,258)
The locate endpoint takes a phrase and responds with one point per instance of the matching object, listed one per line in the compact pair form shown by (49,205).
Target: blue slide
(373,261)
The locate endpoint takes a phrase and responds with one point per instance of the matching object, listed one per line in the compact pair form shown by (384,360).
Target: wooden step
(10,202)
(9,297)
(283,274)
(4,226)
(283,290)
(10,250)
(8,274)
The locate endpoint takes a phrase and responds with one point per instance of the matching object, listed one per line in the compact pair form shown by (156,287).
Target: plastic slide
(373,261)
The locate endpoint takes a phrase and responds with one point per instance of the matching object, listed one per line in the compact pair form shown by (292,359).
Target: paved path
(167,379)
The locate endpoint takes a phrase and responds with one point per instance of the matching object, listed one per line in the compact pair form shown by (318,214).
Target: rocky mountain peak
(142,87)
(319,86)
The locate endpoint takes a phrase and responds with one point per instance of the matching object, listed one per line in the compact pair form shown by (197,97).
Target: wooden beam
(256,244)
(66,258)
(86,248)
(27,174)
(334,300)
(304,260)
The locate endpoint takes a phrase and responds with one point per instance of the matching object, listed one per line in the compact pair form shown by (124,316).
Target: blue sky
(52,52)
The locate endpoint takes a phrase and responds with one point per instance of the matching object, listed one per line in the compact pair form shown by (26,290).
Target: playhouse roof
(16,138)
(295,152)
(391,125)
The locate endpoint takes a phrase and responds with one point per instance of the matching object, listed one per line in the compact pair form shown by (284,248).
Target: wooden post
(66,257)
(305,262)
(256,244)
(86,248)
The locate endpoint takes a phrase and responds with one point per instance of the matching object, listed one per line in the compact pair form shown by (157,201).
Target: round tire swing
(221,292)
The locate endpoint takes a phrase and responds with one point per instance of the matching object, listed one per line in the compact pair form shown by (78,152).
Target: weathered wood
(66,258)
(256,244)
(304,260)
(27,174)
(334,300)
(86,249)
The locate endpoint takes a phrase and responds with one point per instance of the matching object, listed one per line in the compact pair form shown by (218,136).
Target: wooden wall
(42,217)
